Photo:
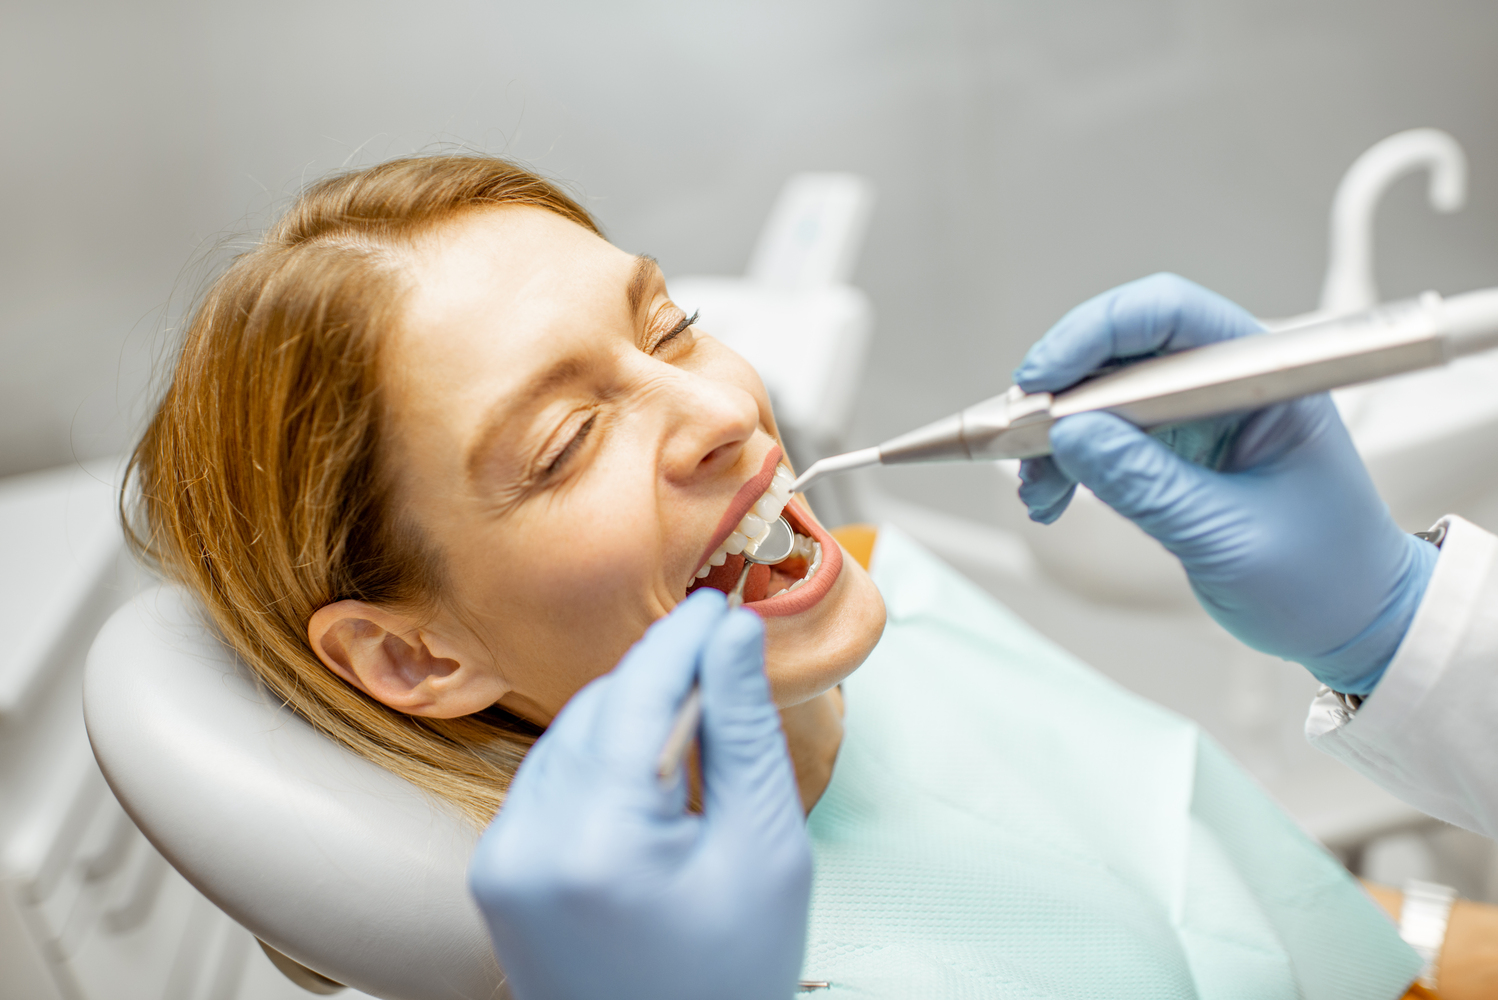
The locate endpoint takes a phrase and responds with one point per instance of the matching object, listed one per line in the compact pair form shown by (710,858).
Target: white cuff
(1425,731)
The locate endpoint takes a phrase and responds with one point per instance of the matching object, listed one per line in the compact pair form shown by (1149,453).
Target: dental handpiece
(773,548)
(1225,377)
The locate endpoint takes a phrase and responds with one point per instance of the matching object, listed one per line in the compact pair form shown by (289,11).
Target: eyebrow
(645,270)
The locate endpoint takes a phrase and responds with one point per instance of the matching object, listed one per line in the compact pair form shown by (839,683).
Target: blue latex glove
(1283,537)
(597,883)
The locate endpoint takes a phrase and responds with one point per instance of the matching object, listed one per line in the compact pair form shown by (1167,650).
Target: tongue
(756,588)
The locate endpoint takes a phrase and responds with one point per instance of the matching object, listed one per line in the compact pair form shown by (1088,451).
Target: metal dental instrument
(1243,374)
(773,548)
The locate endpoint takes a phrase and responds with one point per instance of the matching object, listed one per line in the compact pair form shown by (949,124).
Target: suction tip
(863,458)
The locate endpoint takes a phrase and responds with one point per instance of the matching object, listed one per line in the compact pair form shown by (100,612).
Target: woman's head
(436,445)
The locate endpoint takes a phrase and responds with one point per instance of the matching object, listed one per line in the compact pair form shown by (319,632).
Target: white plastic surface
(1472,322)
(329,858)
(814,233)
(60,536)
(808,346)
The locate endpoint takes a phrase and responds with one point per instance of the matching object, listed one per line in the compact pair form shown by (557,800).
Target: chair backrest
(326,857)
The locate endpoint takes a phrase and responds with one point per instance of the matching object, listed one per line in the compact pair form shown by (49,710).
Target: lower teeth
(807,548)
(811,570)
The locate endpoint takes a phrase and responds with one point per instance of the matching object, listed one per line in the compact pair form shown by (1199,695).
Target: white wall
(1028,153)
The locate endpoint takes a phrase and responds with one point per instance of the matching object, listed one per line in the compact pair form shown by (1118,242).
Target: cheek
(594,570)
(562,590)
(553,623)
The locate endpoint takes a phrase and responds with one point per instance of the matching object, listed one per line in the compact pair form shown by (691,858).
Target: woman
(435,454)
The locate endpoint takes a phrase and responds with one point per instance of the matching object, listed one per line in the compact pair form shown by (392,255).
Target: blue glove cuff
(1357,666)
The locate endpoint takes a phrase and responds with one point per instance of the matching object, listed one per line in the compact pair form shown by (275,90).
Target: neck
(813,734)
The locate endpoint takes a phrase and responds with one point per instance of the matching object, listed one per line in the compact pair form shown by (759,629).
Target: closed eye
(570,448)
(675,332)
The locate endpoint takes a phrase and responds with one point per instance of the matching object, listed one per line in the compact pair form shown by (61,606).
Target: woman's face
(577,453)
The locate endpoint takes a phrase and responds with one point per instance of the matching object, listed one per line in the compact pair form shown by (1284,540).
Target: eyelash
(675,331)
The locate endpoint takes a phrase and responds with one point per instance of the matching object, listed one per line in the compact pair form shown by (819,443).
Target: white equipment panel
(88,909)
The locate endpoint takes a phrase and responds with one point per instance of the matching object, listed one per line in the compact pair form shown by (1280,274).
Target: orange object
(858,541)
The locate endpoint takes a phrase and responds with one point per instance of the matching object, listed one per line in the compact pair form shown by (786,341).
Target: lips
(747,496)
(809,593)
(779,579)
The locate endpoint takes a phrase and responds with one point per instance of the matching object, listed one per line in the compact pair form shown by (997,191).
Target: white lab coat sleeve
(1429,731)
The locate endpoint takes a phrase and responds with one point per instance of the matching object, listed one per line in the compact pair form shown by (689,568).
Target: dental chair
(346,873)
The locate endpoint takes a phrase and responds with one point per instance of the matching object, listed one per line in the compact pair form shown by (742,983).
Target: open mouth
(791,585)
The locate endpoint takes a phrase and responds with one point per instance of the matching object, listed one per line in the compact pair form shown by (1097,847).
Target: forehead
(526,262)
(499,293)
(499,297)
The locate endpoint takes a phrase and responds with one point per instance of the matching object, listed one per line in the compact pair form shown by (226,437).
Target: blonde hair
(259,483)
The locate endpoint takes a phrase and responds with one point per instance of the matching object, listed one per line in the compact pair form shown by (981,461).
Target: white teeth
(755,525)
(802,547)
(782,590)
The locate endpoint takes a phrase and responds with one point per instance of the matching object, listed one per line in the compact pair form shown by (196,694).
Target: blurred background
(1026,154)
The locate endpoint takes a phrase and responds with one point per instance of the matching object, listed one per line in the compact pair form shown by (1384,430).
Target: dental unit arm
(1243,374)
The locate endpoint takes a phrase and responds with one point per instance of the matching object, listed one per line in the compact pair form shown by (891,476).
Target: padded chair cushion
(328,858)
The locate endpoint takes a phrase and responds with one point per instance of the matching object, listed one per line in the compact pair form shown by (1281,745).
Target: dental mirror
(774,547)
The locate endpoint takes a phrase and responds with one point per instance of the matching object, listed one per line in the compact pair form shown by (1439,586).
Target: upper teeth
(754,527)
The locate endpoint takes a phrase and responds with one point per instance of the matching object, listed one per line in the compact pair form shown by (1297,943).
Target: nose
(707,426)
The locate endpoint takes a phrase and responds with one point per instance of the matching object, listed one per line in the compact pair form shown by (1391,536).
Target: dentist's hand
(597,883)
(1283,537)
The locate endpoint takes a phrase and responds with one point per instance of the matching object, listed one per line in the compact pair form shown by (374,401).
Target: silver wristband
(1435,534)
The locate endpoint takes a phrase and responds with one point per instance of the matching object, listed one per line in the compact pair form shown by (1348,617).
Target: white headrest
(325,856)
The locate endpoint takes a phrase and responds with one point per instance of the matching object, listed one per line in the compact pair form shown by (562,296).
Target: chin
(822,613)
(810,652)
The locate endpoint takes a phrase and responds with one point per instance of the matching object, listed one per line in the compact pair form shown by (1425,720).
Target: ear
(410,667)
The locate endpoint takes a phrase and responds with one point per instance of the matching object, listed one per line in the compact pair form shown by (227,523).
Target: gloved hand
(1283,537)
(597,883)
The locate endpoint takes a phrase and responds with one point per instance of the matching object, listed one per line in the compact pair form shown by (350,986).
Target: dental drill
(772,548)
(1224,377)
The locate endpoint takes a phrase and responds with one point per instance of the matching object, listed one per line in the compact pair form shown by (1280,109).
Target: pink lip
(796,601)
(747,496)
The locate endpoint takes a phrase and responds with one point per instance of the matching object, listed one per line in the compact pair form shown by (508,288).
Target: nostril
(716,453)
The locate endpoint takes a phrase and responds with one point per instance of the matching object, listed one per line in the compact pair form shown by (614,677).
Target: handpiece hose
(1243,374)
